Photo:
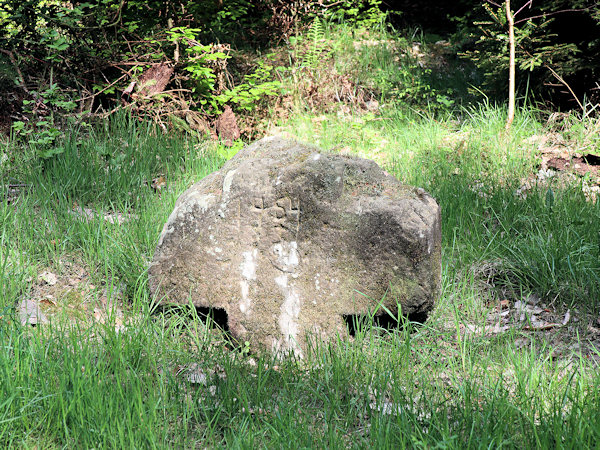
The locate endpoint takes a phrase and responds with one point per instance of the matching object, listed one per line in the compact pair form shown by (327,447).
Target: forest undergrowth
(509,356)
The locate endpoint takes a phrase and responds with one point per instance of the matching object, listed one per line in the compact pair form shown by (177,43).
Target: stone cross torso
(287,240)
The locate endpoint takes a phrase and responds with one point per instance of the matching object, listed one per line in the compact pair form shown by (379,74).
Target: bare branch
(495,4)
(11,56)
(529,3)
(559,78)
(555,13)
(105,88)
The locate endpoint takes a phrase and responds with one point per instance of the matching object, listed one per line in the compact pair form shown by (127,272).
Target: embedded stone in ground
(288,240)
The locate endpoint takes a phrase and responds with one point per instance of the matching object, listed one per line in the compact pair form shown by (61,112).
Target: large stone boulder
(288,240)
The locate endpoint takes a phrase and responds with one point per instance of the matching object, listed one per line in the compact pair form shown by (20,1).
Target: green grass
(92,387)
(165,378)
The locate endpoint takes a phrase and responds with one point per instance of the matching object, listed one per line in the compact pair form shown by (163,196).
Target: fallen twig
(546,326)
(105,88)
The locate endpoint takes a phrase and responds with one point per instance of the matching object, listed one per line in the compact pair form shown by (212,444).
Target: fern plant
(316,46)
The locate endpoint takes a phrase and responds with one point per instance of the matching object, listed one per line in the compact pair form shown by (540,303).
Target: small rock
(195,375)
(30,313)
(49,278)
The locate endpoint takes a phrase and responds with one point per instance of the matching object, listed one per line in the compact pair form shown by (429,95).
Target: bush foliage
(59,59)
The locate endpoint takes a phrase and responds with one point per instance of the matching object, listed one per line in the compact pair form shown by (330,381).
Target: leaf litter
(568,333)
(88,214)
(71,295)
(572,159)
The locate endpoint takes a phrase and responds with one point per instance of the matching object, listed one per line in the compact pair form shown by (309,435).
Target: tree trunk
(511,66)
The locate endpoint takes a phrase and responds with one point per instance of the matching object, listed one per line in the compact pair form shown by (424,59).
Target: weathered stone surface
(288,239)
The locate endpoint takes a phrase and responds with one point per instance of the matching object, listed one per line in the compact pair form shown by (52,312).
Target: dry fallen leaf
(48,300)
(158,183)
(567,317)
(488,329)
(119,324)
(504,304)
(541,326)
(99,316)
(73,281)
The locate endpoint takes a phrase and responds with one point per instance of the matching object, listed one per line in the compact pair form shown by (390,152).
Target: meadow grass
(163,378)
